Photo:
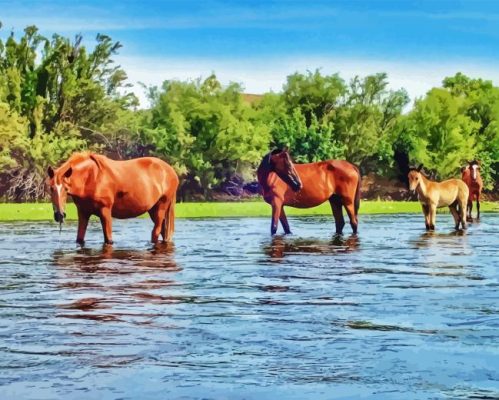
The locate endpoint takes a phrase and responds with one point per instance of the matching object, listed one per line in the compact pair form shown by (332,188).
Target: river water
(230,313)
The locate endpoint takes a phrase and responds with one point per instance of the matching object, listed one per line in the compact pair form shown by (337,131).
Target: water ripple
(228,312)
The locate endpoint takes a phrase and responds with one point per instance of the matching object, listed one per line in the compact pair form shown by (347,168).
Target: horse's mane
(76,158)
(79,157)
(422,172)
(265,163)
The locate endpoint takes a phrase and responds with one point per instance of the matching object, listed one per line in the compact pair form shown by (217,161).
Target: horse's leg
(350,207)
(284,222)
(276,213)
(168,225)
(106,220)
(426,213)
(433,216)
(469,208)
(339,221)
(478,205)
(157,214)
(462,213)
(455,214)
(82,226)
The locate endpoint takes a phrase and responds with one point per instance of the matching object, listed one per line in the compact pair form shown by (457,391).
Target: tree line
(57,97)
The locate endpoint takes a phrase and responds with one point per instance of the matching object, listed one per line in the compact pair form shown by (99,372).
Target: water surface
(230,313)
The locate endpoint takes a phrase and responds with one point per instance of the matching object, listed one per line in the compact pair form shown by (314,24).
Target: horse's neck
(477,179)
(262,174)
(423,186)
(84,173)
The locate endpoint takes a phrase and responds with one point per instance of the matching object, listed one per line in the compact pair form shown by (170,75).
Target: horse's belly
(304,200)
(129,208)
(446,199)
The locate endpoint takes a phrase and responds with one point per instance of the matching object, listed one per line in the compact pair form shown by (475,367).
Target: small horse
(432,195)
(121,189)
(308,185)
(471,176)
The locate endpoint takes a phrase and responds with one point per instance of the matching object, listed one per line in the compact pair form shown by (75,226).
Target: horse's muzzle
(59,217)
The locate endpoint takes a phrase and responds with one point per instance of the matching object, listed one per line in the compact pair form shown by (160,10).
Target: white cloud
(262,75)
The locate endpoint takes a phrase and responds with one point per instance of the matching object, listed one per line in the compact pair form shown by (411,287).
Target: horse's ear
(285,149)
(50,172)
(68,173)
(420,167)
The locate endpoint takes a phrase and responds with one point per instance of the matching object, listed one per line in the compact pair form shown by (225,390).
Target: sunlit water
(229,313)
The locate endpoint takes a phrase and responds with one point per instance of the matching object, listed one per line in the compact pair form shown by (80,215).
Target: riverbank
(43,211)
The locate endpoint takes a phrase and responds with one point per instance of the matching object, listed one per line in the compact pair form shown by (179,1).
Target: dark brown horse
(121,189)
(471,176)
(308,185)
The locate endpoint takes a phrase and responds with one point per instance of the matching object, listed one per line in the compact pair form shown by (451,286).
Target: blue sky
(258,43)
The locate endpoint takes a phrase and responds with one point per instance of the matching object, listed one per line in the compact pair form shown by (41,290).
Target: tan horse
(471,176)
(452,193)
(121,189)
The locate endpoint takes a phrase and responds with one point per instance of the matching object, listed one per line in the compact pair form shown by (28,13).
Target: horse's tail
(357,192)
(169,221)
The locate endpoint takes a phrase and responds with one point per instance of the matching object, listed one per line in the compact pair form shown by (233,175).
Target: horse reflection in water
(110,260)
(439,240)
(438,252)
(281,246)
(109,279)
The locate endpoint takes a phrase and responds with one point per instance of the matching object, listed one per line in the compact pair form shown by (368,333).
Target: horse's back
(146,171)
(321,180)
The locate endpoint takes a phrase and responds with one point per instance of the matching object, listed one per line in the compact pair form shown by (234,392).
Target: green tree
(309,143)
(366,121)
(205,130)
(439,134)
(314,94)
(64,94)
(482,106)
(12,132)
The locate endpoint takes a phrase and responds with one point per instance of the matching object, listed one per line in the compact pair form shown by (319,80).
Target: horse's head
(414,177)
(58,186)
(280,162)
(474,167)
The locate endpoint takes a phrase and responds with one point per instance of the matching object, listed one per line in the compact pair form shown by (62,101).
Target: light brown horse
(432,195)
(308,185)
(121,189)
(471,176)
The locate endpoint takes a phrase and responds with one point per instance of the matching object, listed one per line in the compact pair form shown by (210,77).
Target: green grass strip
(43,211)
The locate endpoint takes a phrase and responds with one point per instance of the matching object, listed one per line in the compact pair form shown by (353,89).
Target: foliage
(58,96)
(309,143)
(12,129)
(320,117)
(440,134)
(205,131)
(366,120)
(53,92)
(313,94)
(455,124)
